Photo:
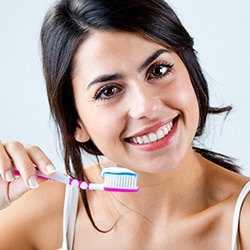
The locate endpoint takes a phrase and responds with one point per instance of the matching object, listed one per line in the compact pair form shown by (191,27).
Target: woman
(123,81)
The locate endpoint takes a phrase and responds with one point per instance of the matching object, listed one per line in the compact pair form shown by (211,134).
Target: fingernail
(9,176)
(33,182)
(51,169)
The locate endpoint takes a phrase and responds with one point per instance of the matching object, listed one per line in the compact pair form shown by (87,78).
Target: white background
(221,30)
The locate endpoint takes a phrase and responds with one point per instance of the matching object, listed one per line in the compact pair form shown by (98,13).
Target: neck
(170,192)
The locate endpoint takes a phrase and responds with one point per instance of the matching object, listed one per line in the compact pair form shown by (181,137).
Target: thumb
(16,189)
(11,191)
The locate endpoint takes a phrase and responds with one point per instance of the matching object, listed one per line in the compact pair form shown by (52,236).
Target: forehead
(103,40)
(105,48)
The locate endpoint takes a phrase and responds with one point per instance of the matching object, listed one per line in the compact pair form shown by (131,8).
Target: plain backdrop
(221,30)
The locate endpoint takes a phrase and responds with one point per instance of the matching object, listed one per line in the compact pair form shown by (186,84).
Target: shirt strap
(244,192)
(69,216)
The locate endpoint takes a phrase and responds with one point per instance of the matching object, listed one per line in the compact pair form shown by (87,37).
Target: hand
(24,158)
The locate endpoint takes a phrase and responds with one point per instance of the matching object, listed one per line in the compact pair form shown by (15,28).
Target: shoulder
(232,185)
(35,218)
(244,222)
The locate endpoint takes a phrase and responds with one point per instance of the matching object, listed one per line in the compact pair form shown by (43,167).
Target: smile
(153,136)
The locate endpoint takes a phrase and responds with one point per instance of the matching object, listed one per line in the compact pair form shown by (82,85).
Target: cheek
(188,98)
(183,98)
(101,126)
(190,108)
(185,92)
(182,94)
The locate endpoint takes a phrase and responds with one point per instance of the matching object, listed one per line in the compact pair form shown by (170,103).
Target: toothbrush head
(119,179)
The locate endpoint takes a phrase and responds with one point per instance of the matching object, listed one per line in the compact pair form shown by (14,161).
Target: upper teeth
(153,136)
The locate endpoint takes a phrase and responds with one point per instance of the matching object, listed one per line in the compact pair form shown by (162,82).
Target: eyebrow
(113,77)
(152,57)
(105,78)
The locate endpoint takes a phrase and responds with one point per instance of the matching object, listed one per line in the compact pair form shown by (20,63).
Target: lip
(153,128)
(156,145)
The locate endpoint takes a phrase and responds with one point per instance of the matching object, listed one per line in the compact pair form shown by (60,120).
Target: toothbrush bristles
(120,181)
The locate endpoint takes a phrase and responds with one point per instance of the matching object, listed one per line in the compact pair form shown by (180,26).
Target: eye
(159,70)
(107,92)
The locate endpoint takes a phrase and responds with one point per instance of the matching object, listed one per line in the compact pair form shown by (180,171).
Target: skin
(140,101)
(185,201)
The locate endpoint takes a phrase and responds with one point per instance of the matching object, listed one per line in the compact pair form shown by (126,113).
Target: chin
(153,169)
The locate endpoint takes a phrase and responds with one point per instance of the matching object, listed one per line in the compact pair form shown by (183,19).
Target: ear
(81,135)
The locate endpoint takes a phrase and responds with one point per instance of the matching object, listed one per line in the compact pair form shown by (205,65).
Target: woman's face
(135,101)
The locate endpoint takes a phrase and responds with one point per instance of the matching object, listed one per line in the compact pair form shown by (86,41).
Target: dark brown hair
(69,22)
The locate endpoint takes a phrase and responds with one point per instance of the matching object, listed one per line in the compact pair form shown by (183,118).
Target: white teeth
(170,126)
(139,140)
(152,137)
(145,139)
(165,131)
(160,134)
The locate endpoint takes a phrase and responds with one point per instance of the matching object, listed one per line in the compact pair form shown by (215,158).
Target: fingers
(5,165)
(15,156)
(22,162)
(24,159)
(38,157)
(16,189)
(10,191)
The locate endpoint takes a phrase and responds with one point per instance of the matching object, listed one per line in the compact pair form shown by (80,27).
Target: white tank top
(243,194)
(69,216)
(71,204)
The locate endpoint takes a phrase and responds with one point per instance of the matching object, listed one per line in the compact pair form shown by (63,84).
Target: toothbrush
(116,179)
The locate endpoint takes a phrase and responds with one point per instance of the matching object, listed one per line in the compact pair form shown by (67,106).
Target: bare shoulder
(244,224)
(229,186)
(225,181)
(232,184)
(34,220)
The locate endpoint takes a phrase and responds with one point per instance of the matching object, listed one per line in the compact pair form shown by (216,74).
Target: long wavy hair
(68,23)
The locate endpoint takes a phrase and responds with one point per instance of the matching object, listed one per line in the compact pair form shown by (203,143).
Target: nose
(145,103)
